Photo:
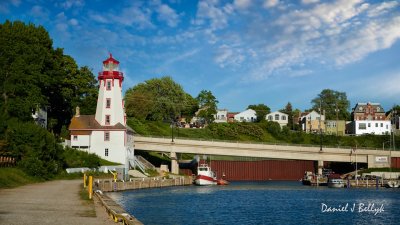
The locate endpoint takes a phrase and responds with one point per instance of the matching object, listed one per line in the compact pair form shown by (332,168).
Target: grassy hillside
(268,132)
(14,177)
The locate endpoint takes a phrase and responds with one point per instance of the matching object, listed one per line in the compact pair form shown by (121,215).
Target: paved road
(54,202)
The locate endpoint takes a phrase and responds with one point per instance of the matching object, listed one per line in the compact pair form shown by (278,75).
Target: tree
(331,101)
(261,111)
(156,99)
(289,111)
(36,75)
(208,105)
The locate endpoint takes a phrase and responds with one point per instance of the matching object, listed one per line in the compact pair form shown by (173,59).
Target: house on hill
(279,117)
(105,133)
(248,115)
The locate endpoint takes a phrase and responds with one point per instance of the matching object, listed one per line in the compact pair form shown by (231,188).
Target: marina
(269,202)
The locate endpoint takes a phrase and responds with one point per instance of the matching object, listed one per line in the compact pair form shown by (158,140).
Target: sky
(245,52)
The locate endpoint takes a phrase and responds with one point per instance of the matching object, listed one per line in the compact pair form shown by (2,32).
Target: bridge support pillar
(320,166)
(174,163)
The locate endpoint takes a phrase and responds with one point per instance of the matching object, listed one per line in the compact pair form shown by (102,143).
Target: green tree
(35,149)
(331,101)
(208,105)
(156,99)
(36,75)
(289,111)
(261,111)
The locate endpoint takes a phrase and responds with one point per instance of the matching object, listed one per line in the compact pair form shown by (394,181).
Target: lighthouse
(110,106)
(105,133)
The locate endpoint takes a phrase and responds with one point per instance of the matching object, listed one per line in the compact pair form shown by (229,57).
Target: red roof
(88,122)
(110,60)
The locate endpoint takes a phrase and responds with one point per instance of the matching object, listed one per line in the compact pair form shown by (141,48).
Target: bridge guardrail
(265,143)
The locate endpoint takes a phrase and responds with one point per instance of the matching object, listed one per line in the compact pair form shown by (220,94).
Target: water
(271,202)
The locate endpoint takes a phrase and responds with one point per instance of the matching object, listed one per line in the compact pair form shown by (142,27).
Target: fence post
(84,180)
(90,186)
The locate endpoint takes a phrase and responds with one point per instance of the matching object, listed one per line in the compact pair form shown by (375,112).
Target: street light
(320,127)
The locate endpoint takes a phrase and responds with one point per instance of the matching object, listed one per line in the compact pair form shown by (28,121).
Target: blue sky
(245,52)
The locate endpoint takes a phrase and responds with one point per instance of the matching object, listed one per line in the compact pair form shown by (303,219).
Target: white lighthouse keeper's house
(106,133)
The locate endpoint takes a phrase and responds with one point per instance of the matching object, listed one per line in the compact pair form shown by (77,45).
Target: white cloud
(208,10)
(167,14)
(374,36)
(134,15)
(229,56)
(16,2)
(379,9)
(73,22)
(39,11)
(242,4)
(309,1)
(270,3)
(71,4)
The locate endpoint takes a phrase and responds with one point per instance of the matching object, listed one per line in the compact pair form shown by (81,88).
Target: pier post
(174,163)
(320,166)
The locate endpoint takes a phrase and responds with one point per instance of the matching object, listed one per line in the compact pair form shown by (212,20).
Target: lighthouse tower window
(108,85)
(108,102)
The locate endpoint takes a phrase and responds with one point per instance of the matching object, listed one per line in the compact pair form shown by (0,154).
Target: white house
(246,116)
(312,122)
(279,117)
(377,127)
(105,133)
(221,116)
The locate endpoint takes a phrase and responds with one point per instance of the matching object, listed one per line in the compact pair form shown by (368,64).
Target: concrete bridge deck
(374,157)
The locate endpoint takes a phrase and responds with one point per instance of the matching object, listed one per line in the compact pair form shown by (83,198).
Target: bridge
(373,157)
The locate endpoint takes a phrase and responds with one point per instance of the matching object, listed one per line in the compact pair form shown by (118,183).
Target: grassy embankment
(265,132)
(14,177)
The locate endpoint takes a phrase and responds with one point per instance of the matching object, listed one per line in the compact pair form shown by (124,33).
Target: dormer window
(361,108)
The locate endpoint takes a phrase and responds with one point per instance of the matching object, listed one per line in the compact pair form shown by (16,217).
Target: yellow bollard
(90,189)
(84,180)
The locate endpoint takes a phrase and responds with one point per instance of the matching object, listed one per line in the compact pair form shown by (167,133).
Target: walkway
(54,202)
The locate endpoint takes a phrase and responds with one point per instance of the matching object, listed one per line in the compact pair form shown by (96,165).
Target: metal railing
(265,143)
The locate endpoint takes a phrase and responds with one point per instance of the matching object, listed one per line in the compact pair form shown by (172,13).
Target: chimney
(77,112)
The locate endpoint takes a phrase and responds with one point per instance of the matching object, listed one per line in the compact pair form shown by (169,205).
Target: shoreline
(114,210)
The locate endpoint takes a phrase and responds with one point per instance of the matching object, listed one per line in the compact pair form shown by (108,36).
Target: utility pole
(337,119)
(320,127)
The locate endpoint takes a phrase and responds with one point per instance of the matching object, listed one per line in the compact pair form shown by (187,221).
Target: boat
(314,180)
(222,182)
(335,181)
(205,176)
(392,184)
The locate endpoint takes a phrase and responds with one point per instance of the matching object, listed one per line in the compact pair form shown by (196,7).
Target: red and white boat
(205,176)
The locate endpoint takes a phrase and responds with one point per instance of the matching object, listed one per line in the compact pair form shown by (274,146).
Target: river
(270,202)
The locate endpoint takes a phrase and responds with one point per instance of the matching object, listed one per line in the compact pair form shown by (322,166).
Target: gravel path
(54,202)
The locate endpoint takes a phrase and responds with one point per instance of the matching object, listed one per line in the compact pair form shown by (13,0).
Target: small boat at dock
(205,176)
(335,181)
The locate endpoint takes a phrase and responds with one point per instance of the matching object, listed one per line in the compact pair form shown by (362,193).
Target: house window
(376,124)
(108,85)
(276,116)
(369,124)
(283,117)
(106,152)
(107,136)
(107,119)
(362,126)
(108,102)
(381,124)
(75,137)
(270,118)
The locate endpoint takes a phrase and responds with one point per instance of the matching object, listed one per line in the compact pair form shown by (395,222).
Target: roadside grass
(89,203)
(14,177)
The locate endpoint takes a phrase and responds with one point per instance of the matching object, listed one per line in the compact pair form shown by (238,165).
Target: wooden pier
(115,211)
(107,185)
